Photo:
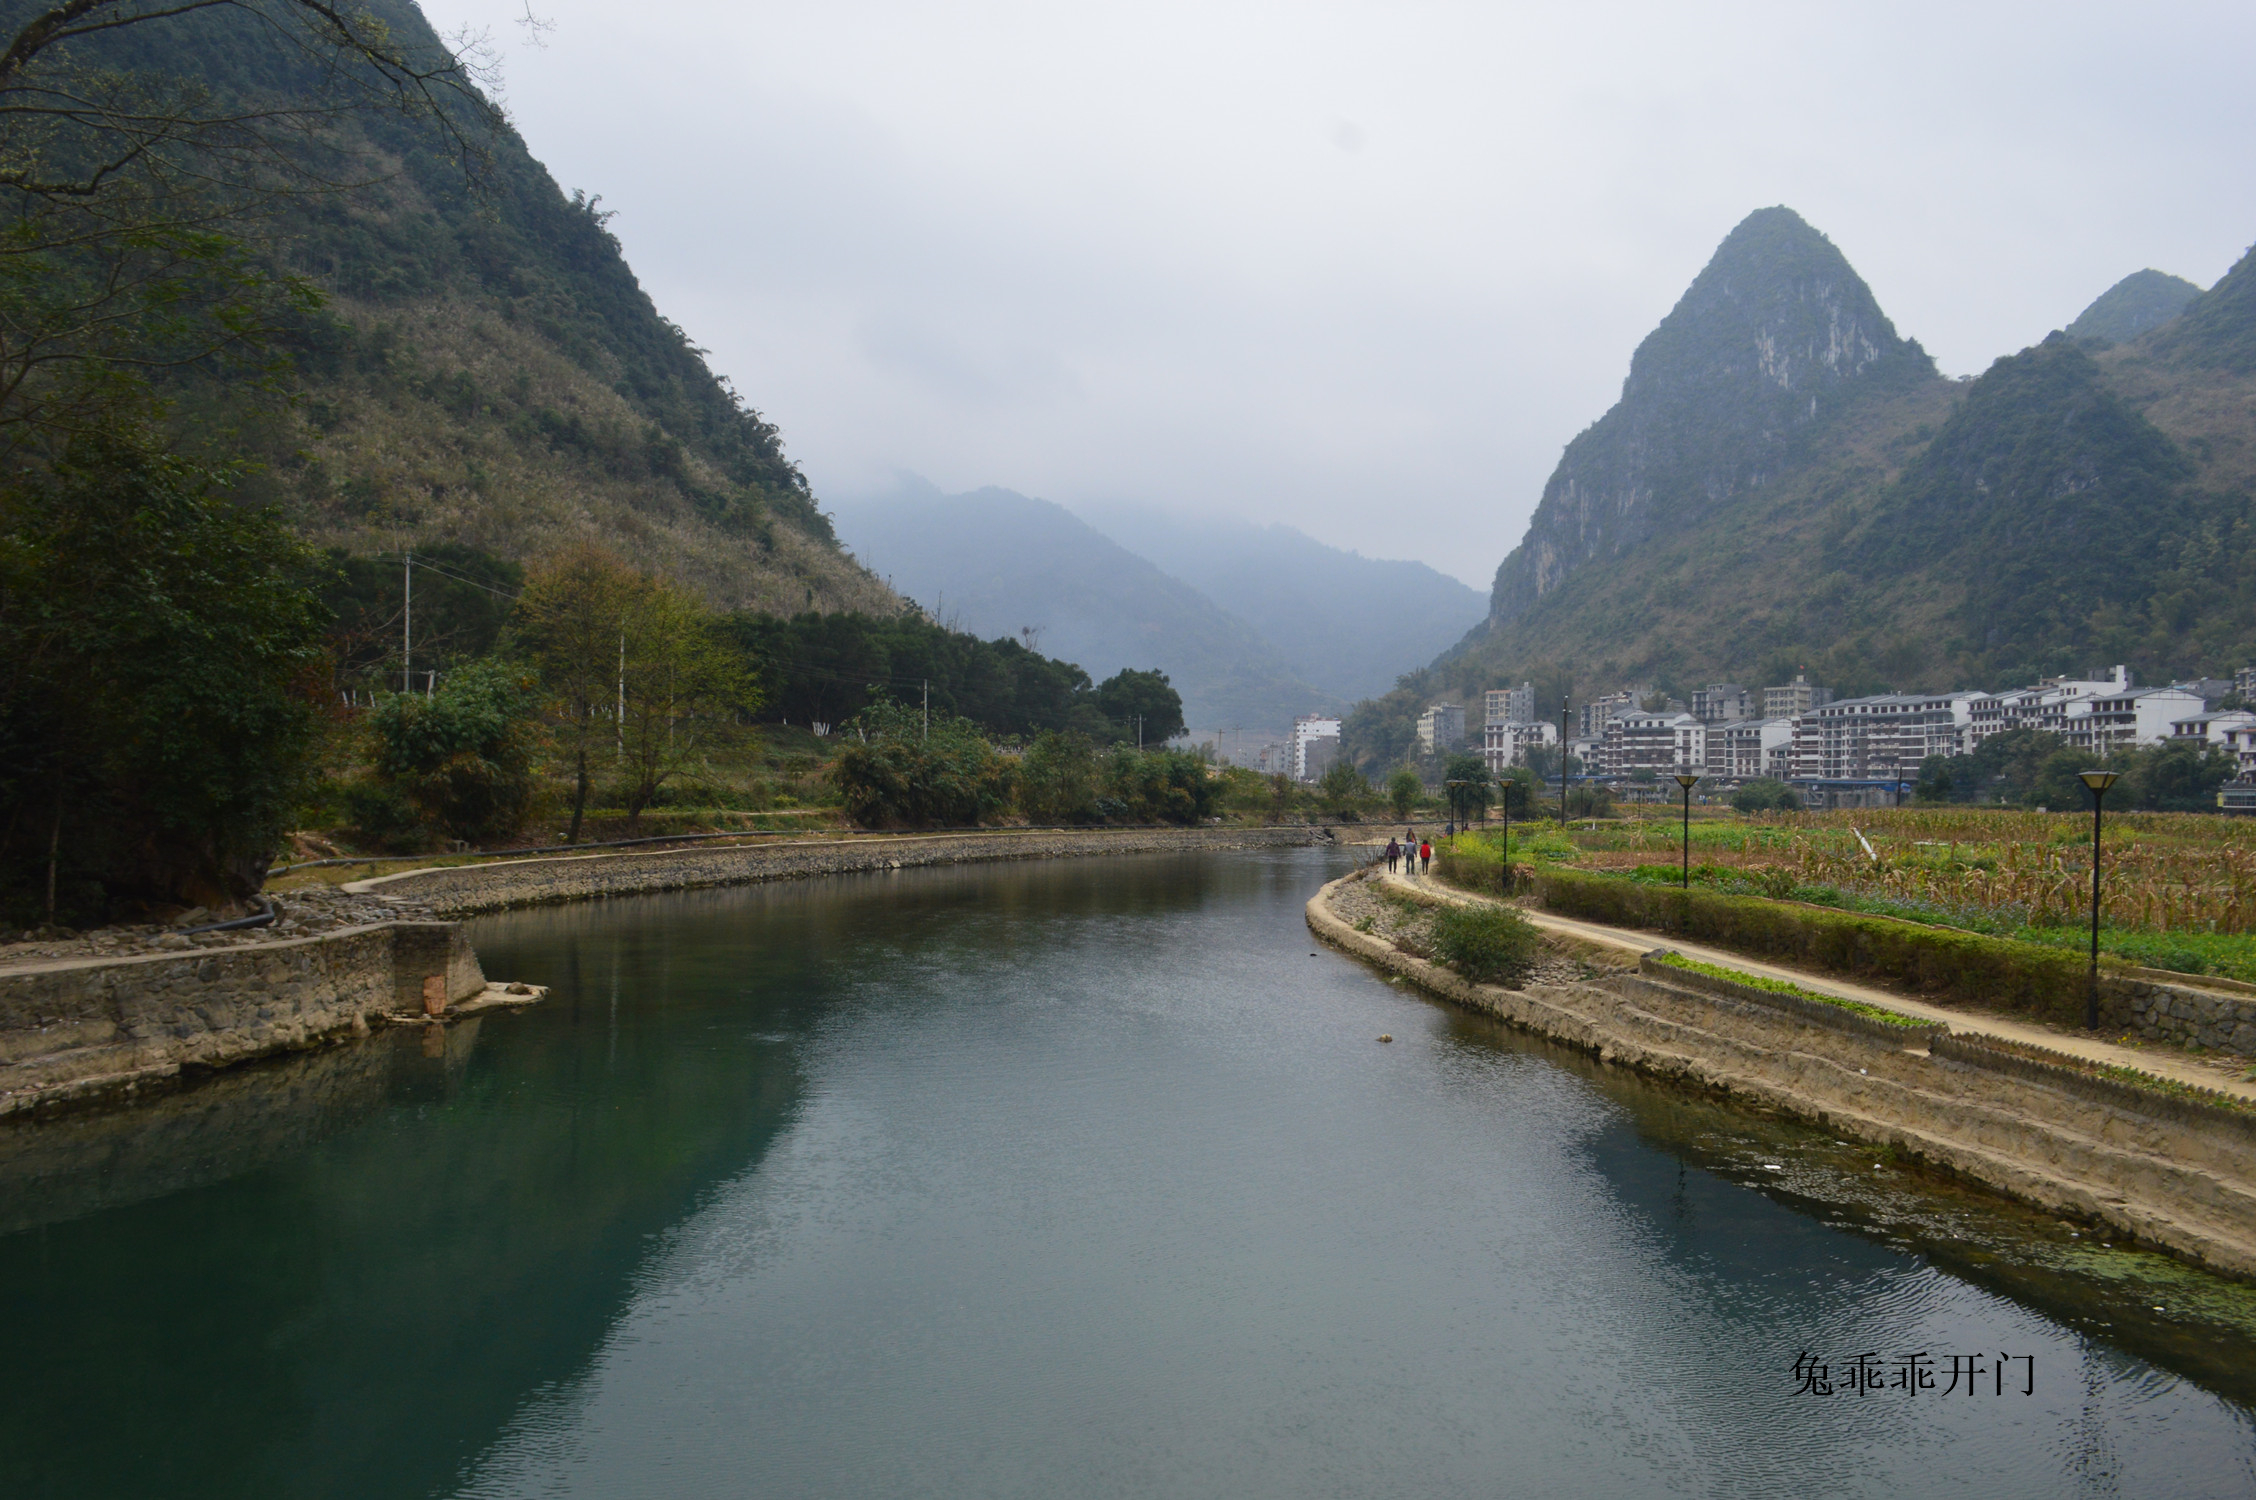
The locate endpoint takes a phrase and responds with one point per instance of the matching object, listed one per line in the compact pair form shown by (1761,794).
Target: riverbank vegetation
(2178,891)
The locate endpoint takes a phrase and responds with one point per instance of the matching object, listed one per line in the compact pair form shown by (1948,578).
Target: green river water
(1082,1178)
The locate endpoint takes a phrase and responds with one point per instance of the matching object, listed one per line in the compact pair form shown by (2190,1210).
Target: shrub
(895,773)
(1488,944)
(1159,786)
(1963,965)
(459,762)
(1057,779)
(1766,794)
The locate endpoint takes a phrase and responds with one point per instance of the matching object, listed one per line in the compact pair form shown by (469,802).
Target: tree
(460,759)
(1343,787)
(1057,778)
(571,623)
(1142,707)
(160,659)
(1471,792)
(1158,786)
(1403,791)
(896,772)
(682,688)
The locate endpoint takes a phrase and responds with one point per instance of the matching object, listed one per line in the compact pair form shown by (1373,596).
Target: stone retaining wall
(469,889)
(69,1030)
(2155,1011)
(2174,1177)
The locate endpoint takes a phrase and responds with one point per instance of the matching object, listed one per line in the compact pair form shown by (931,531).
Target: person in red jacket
(1425,857)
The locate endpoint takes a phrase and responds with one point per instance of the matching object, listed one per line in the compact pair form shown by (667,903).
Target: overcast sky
(1363,268)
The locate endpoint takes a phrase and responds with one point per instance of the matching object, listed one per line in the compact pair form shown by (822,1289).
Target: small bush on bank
(1487,944)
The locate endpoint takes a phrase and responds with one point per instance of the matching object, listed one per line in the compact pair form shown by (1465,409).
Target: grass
(1784,987)
(2179,889)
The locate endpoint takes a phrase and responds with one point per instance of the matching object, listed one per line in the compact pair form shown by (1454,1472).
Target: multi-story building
(2052,706)
(1509,705)
(1441,727)
(1796,697)
(1882,737)
(2244,683)
(2240,744)
(1747,748)
(1598,711)
(1721,703)
(1653,742)
(1505,744)
(1307,729)
(2209,728)
(2141,716)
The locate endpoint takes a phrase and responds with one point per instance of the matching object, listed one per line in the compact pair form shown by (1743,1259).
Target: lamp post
(1687,780)
(2099,782)
(1456,802)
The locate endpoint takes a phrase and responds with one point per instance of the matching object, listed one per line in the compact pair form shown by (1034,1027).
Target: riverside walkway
(2158,1062)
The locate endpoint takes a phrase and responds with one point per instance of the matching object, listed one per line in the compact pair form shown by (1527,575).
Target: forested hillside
(486,369)
(2081,503)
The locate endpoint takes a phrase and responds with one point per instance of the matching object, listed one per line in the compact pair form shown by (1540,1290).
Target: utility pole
(620,720)
(407,621)
(1139,734)
(1564,700)
(926,684)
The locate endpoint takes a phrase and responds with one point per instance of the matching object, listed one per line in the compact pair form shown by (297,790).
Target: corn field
(2160,873)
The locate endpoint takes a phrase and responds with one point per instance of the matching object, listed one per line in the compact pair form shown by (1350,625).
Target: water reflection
(1053,1179)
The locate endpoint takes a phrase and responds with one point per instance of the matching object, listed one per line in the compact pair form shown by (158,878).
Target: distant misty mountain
(1345,622)
(2139,303)
(997,563)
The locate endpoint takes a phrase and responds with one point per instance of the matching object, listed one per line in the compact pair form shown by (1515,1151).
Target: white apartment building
(2141,716)
(1509,705)
(1307,728)
(2210,728)
(2051,706)
(2244,682)
(1882,737)
(1747,748)
(1441,727)
(1504,745)
(1660,743)
(2240,743)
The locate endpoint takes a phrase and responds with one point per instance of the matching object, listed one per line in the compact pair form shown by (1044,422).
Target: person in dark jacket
(1394,855)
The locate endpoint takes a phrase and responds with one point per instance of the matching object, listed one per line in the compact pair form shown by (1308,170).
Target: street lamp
(1456,802)
(1687,780)
(2099,782)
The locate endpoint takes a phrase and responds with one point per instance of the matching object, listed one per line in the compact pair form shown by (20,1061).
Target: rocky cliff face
(1775,337)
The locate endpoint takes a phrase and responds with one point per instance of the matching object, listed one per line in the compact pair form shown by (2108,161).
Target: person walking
(1394,855)
(1425,858)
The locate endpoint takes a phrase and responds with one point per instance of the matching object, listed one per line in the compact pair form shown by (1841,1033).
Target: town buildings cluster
(1847,751)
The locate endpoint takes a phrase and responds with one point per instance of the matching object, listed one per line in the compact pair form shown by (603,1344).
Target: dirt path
(2159,1063)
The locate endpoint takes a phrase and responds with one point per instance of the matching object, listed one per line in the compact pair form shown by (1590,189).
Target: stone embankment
(110,1012)
(74,1029)
(466,890)
(2164,1171)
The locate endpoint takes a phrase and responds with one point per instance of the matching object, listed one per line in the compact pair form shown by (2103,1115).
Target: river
(1083,1178)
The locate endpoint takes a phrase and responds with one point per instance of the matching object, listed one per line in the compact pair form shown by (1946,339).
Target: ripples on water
(1059,1180)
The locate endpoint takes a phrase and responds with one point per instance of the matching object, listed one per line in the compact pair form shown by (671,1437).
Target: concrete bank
(2166,1175)
(466,890)
(73,1030)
